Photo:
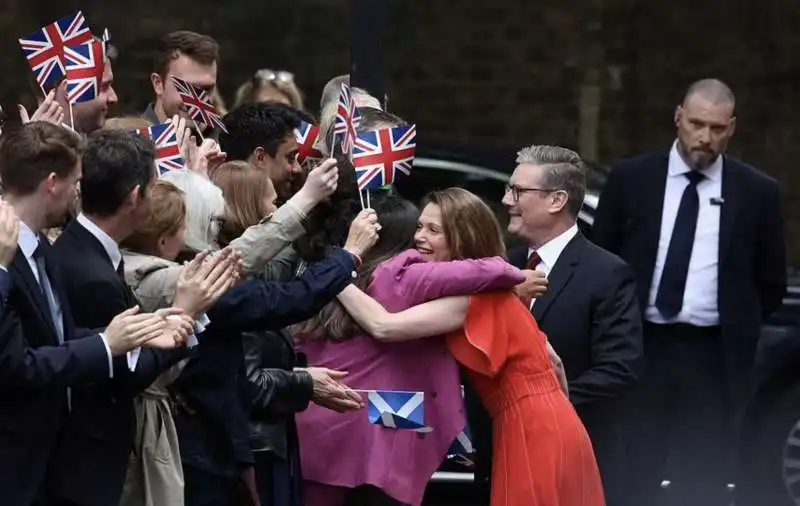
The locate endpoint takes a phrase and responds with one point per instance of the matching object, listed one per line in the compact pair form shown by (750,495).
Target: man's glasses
(516,191)
(273,76)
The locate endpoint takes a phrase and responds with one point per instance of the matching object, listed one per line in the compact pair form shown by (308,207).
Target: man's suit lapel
(30,288)
(733,197)
(652,201)
(559,276)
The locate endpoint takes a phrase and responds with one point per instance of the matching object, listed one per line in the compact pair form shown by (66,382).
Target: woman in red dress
(542,454)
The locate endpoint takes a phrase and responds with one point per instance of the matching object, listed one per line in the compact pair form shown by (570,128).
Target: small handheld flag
(397,409)
(44,48)
(382,156)
(168,153)
(198,101)
(347,120)
(84,65)
(307,135)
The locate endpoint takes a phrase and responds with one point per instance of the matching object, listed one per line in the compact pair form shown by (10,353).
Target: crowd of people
(205,337)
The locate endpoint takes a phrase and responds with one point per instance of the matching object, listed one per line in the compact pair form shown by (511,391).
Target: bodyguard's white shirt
(551,250)
(700,305)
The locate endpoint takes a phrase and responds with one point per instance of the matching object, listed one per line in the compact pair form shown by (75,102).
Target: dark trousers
(274,480)
(206,489)
(681,421)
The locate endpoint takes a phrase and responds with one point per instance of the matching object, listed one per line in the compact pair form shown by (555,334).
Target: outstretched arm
(430,319)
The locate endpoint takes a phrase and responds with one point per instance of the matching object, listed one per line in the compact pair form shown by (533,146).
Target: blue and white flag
(463,443)
(397,409)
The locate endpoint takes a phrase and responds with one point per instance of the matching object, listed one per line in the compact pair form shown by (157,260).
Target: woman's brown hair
(166,216)
(470,227)
(245,190)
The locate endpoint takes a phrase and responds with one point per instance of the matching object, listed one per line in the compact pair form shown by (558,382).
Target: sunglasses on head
(273,76)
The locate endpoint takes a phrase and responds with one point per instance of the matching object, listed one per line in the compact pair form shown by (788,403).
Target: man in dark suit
(92,452)
(589,312)
(41,352)
(704,234)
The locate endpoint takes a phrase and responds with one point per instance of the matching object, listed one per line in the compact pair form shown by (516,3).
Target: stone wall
(499,74)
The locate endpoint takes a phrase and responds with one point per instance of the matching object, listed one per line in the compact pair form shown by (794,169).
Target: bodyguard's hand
(363,233)
(130,330)
(534,286)
(9,233)
(322,181)
(331,394)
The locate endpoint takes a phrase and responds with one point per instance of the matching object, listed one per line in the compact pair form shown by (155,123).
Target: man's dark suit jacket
(752,252)
(92,453)
(34,374)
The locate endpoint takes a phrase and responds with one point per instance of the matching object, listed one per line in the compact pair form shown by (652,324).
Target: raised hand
(49,110)
(322,181)
(131,329)
(363,233)
(204,280)
(9,233)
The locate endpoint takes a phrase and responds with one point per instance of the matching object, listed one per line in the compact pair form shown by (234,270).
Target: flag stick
(368,206)
(71,121)
(361,197)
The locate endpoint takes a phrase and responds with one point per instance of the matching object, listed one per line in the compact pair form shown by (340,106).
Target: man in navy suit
(704,235)
(41,352)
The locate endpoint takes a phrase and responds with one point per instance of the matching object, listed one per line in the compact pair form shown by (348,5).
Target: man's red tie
(533,261)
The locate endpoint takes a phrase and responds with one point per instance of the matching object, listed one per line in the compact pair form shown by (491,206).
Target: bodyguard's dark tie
(669,299)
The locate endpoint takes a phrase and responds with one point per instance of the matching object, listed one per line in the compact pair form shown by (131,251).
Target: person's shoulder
(629,166)
(602,260)
(753,175)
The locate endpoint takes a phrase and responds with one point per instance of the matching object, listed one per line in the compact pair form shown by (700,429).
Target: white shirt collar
(28,240)
(551,250)
(111,247)
(677,167)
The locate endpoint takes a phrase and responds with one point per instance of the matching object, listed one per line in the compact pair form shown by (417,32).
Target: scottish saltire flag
(198,101)
(347,120)
(84,65)
(307,135)
(462,444)
(168,153)
(44,48)
(397,409)
(382,156)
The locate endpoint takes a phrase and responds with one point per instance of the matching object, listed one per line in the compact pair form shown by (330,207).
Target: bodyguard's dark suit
(694,370)
(92,455)
(752,249)
(34,374)
(591,316)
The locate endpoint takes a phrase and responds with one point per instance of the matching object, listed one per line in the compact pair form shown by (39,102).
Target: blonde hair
(126,123)
(166,216)
(470,227)
(245,191)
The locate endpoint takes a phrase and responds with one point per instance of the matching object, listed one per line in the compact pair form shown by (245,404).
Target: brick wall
(502,74)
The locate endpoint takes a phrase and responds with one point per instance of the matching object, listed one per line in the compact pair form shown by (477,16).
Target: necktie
(533,260)
(121,269)
(669,299)
(47,290)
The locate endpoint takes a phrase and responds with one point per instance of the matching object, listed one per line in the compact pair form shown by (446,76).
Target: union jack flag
(44,48)
(382,156)
(307,135)
(198,101)
(168,153)
(84,64)
(347,120)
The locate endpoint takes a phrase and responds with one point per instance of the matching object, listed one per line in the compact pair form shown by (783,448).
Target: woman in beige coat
(185,213)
